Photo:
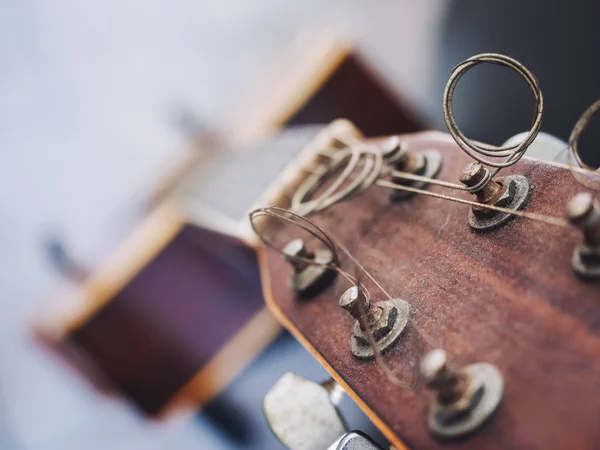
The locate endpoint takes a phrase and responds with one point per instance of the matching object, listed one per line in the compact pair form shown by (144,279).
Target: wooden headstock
(507,296)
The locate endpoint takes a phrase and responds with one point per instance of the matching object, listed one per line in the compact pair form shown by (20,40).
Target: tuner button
(303,414)
(462,399)
(583,211)
(355,440)
(309,280)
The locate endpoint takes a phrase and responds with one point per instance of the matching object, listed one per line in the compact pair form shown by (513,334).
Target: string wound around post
(357,166)
(511,192)
(585,174)
(377,326)
(402,162)
(313,270)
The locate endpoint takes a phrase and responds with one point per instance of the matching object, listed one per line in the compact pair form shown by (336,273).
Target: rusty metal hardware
(426,163)
(511,192)
(462,399)
(583,211)
(309,280)
(385,320)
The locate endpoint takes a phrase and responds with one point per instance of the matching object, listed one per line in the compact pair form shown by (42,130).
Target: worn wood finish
(507,297)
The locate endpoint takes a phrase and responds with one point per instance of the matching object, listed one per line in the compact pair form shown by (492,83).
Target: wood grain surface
(507,297)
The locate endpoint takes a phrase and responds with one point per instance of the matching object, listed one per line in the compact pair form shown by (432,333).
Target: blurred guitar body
(178,312)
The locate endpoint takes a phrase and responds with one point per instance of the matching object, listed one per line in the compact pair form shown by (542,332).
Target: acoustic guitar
(452,288)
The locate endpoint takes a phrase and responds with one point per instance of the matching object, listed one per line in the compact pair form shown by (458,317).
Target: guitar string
(471,147)
(377,354)
(475,149)
(389,373)
(414,177)
(387,370)
(358,145)
(368,274)
(573,146)
(387,184)
(551,220)
(331,241)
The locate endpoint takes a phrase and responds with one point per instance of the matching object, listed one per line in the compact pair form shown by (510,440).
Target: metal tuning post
(384,320)
(583,211)
(398,156)
(463,399)
(313,271)
(303,414)
(309,280)
(509,192)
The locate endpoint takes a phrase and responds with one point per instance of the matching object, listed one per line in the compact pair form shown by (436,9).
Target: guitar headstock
(502,275)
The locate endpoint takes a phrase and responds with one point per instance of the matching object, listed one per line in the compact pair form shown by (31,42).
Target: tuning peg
(355,440)
(473,174)
(397,155)
(309,280)
(510,192)
(464,398)
(303,414)
(385,320)
(583,211)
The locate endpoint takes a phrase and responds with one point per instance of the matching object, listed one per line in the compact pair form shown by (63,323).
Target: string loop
(573,148)
(342,188)
(511,153)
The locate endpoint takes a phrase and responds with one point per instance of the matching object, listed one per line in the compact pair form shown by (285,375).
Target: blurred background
(89,101)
